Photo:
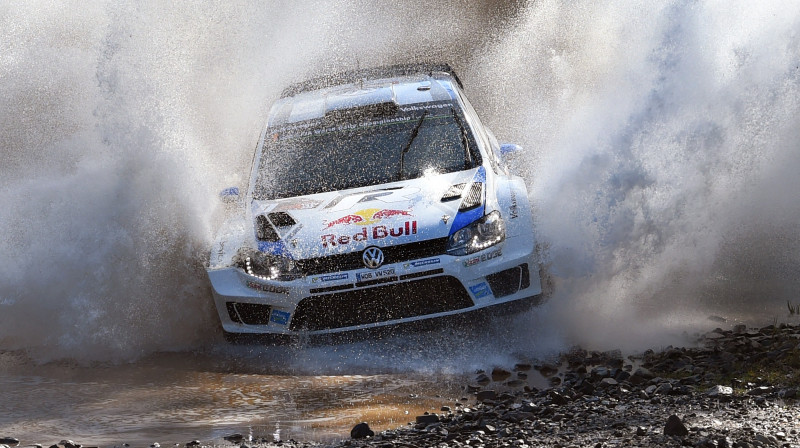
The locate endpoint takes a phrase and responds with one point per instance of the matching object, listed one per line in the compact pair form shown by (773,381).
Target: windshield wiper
(414,133)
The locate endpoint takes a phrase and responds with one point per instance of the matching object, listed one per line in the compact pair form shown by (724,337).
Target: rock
(193,443)
(524,367)
(9,441)
(764,440)
(361,431)
(600,372)
(547,370)
(472,388)
(428,418)
(788,393)
(234,438)
(608,382)
(485,395)
(499,374)
(724,442)
(718,391)
(482,379)
(663,389)
(558,398)
(675,427)
(641,431)
(761,390)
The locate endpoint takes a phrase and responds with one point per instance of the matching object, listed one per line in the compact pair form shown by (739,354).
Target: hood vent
(473,198)
(264,230)
(453,193)
(282,219)
(266,225)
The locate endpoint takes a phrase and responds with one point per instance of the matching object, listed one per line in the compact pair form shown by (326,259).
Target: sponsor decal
(483,257)
(513,209)
(266,288)
(221,252)
(274,248)
(331,277)
(480,290)
(296,204)
(346,202)
(366,217)
(372,275)
(371,233)
(279,317)
(418,263)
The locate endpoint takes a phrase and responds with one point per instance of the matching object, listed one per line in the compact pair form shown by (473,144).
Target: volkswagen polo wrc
(376,198)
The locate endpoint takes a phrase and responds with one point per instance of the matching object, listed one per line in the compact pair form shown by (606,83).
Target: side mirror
(509,148)
(229,195)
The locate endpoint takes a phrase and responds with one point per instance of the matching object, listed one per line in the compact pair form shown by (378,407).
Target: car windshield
(350,154)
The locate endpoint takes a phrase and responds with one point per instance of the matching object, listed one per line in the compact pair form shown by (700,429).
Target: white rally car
(376,198)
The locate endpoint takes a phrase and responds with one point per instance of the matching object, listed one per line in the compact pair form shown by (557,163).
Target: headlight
(266,266)
(479,235)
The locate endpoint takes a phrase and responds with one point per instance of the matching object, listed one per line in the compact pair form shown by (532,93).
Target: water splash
(664,154)
(661,153)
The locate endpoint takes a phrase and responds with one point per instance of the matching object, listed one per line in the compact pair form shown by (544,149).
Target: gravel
(734,389)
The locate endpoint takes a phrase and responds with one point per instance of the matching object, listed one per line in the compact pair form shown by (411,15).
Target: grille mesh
(380,304)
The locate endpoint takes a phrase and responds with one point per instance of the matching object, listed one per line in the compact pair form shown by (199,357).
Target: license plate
(376,274)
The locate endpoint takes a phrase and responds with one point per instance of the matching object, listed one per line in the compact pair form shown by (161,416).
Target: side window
(481,133)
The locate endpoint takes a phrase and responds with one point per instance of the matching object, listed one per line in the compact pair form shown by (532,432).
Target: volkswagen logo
(372,257)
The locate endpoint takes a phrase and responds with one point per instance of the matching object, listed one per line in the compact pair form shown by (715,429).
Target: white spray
(661,143)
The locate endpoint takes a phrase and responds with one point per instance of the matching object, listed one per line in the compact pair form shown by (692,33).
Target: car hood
(350,220)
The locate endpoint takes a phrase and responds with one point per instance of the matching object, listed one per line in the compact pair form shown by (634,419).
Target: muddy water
(176,398)
(302,392)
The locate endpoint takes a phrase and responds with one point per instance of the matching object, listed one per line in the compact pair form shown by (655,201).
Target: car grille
(380,303)
(391,254)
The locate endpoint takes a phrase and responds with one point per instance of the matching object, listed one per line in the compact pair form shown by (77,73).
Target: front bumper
(407,291)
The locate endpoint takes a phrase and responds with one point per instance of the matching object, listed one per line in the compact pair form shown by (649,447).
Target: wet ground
(180,397)
(303,392)
(309,393)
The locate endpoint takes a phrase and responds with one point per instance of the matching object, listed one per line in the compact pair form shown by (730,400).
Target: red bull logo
(366,217)
(371,233)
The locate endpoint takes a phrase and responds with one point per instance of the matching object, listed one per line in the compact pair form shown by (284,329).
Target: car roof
(395,85)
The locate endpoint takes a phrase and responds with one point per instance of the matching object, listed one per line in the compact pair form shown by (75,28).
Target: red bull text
(371,233)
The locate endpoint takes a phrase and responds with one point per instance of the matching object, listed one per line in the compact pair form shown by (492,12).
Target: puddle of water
(175,398)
